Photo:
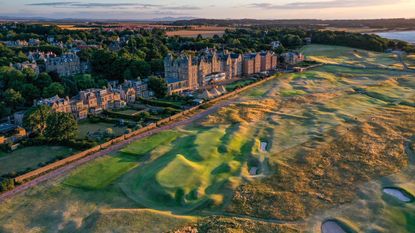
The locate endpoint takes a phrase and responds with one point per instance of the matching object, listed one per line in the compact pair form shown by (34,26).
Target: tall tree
(54,89)
(158,85)
(61,126)
(13,98)
(36,119)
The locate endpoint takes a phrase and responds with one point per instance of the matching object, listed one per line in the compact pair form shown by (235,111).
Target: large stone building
(192,70)
(67,64)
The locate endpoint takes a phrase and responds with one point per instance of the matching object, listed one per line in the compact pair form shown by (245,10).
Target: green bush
(6,184)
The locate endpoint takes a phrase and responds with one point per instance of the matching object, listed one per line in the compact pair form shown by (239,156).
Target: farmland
(194,31)
(286,156)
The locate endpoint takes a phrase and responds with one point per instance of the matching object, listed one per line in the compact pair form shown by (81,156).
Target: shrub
(6,184)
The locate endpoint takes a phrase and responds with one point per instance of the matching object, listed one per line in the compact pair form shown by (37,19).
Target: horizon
(171,18)
(214,9)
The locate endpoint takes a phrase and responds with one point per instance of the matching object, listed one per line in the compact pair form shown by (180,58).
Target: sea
(408,36)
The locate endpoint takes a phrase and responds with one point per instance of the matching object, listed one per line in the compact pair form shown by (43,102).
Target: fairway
(101,173)
(298,151)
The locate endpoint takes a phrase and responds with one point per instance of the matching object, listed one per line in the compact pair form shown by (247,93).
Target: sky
(222,9)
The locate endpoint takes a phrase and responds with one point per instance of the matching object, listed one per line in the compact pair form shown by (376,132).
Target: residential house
(10,133)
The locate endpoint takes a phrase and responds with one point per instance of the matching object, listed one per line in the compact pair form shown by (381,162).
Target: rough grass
(135,220)
(343,55)
(30,157)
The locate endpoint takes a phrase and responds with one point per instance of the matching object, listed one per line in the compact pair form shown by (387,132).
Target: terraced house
(95,101)
(190,71)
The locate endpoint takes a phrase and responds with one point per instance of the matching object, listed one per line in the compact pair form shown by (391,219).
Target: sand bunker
(331,226)
(264,146)
(253,171)
(399,194)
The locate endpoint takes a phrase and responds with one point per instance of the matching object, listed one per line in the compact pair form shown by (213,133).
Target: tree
(30,92)
(4,110)
(54,89)
(43,80)
(158,85)
(84,81)
(36,119)
(61,126)
(13,98)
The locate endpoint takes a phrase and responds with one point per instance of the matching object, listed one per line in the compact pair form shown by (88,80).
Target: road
(69,167)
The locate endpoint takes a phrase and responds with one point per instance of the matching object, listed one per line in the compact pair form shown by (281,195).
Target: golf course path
(69,167)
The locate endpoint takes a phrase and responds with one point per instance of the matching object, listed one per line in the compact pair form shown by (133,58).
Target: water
(408,36)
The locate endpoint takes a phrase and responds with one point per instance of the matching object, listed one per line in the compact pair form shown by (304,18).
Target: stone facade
(292,58)
(94,101)
(65,65)
(190,71)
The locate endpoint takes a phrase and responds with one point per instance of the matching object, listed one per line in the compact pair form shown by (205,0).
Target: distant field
(73,27)
(204,31)
(334,138)
(30,157)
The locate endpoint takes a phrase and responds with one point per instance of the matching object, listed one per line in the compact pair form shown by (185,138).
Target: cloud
(324,4)
(52,3)
(181,8)
(112,5)
(91,5)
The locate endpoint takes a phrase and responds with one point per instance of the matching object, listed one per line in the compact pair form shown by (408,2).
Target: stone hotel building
(192,70)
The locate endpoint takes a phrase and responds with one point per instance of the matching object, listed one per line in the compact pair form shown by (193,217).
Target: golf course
(330,148)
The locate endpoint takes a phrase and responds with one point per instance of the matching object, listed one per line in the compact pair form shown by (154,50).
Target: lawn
(30,157)
(239,83)
(129,112)
(86,126)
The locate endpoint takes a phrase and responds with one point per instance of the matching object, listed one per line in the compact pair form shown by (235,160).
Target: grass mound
(176,174)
